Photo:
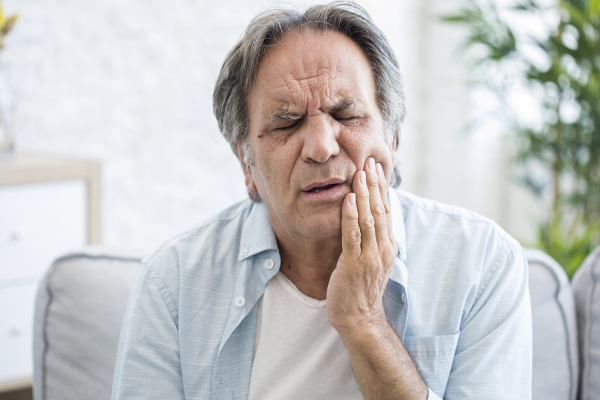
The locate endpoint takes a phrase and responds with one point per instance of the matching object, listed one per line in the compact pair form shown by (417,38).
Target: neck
(309,264)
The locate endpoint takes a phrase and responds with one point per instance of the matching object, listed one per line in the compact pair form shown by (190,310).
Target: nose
(320,140)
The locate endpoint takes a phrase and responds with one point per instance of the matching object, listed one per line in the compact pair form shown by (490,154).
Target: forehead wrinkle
(311,91)
(303,81)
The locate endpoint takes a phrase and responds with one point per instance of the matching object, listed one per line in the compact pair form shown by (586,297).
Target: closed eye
(345,118)
(283,128)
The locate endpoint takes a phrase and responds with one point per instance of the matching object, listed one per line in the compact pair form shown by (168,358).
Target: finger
(365,219)
(377,207)
(383,189)
(350,228)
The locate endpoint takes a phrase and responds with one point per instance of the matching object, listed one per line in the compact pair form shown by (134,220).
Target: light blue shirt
(458,299)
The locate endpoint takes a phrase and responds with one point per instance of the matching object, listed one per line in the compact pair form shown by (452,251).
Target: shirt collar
(399,272)
(257,233)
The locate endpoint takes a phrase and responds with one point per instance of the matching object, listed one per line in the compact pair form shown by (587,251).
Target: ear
(393,147)
(247,170)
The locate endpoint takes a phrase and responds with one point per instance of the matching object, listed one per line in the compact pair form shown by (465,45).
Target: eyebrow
(287,115)
(341,105)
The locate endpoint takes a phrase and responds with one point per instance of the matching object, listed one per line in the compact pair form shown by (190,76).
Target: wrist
(364,330)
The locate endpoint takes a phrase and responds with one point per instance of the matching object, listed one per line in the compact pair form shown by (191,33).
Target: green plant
(564,75)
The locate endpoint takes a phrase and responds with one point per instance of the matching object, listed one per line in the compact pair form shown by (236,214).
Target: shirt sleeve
(494,353)
(148,363)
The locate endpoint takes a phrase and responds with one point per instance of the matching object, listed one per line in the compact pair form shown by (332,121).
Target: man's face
(314,120)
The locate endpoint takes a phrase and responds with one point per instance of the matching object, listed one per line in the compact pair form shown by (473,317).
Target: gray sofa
(587,299)
(78,311)
(82,298)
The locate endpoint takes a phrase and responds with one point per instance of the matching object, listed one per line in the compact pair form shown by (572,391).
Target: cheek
(360,147)
(356,145)
(272,166)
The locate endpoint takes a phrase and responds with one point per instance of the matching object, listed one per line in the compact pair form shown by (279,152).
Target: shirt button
(269,264)
(244,252)
(240,301)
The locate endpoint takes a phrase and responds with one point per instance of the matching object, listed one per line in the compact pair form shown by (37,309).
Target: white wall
(131,82)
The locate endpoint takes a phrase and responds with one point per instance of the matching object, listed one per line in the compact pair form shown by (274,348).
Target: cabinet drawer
(39,222)
(16,331)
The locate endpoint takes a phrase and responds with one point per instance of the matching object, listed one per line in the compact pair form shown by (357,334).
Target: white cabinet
(48,206)
(38,222)
(16,331)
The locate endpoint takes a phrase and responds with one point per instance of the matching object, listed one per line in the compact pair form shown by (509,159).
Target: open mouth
(325,189)
(321,188)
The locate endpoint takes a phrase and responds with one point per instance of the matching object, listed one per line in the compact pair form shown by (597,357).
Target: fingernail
(352,199)
(379,170)
(361,178)
(371,164)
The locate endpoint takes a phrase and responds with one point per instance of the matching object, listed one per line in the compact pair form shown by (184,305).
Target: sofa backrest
(586,286)
(81,302)
(555,353)
(78,312)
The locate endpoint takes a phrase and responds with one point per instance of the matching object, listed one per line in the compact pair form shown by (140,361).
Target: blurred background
(130,84)
(502,114)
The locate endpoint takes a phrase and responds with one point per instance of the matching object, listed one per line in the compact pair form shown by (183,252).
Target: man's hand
(382,365)
(356,286)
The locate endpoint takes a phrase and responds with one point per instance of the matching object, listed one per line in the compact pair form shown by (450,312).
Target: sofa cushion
(555,364)
(586,288)
(78,312)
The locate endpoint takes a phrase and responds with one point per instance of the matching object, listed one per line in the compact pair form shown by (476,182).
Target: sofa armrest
(555,353)
(586,288)
(78,312)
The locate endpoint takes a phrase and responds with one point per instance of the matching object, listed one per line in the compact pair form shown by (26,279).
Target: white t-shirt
(297,353)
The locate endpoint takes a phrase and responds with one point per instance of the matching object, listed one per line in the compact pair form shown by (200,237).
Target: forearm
(382,365)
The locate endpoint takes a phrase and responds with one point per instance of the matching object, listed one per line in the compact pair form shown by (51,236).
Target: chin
(323,227)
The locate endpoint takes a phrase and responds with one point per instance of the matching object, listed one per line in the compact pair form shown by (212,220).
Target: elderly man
(328,285)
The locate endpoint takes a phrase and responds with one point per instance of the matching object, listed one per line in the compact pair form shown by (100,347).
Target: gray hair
(240,67)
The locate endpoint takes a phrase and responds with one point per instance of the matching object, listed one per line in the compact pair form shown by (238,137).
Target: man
(328,285)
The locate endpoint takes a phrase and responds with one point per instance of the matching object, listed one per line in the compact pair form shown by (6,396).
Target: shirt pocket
(433,357)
